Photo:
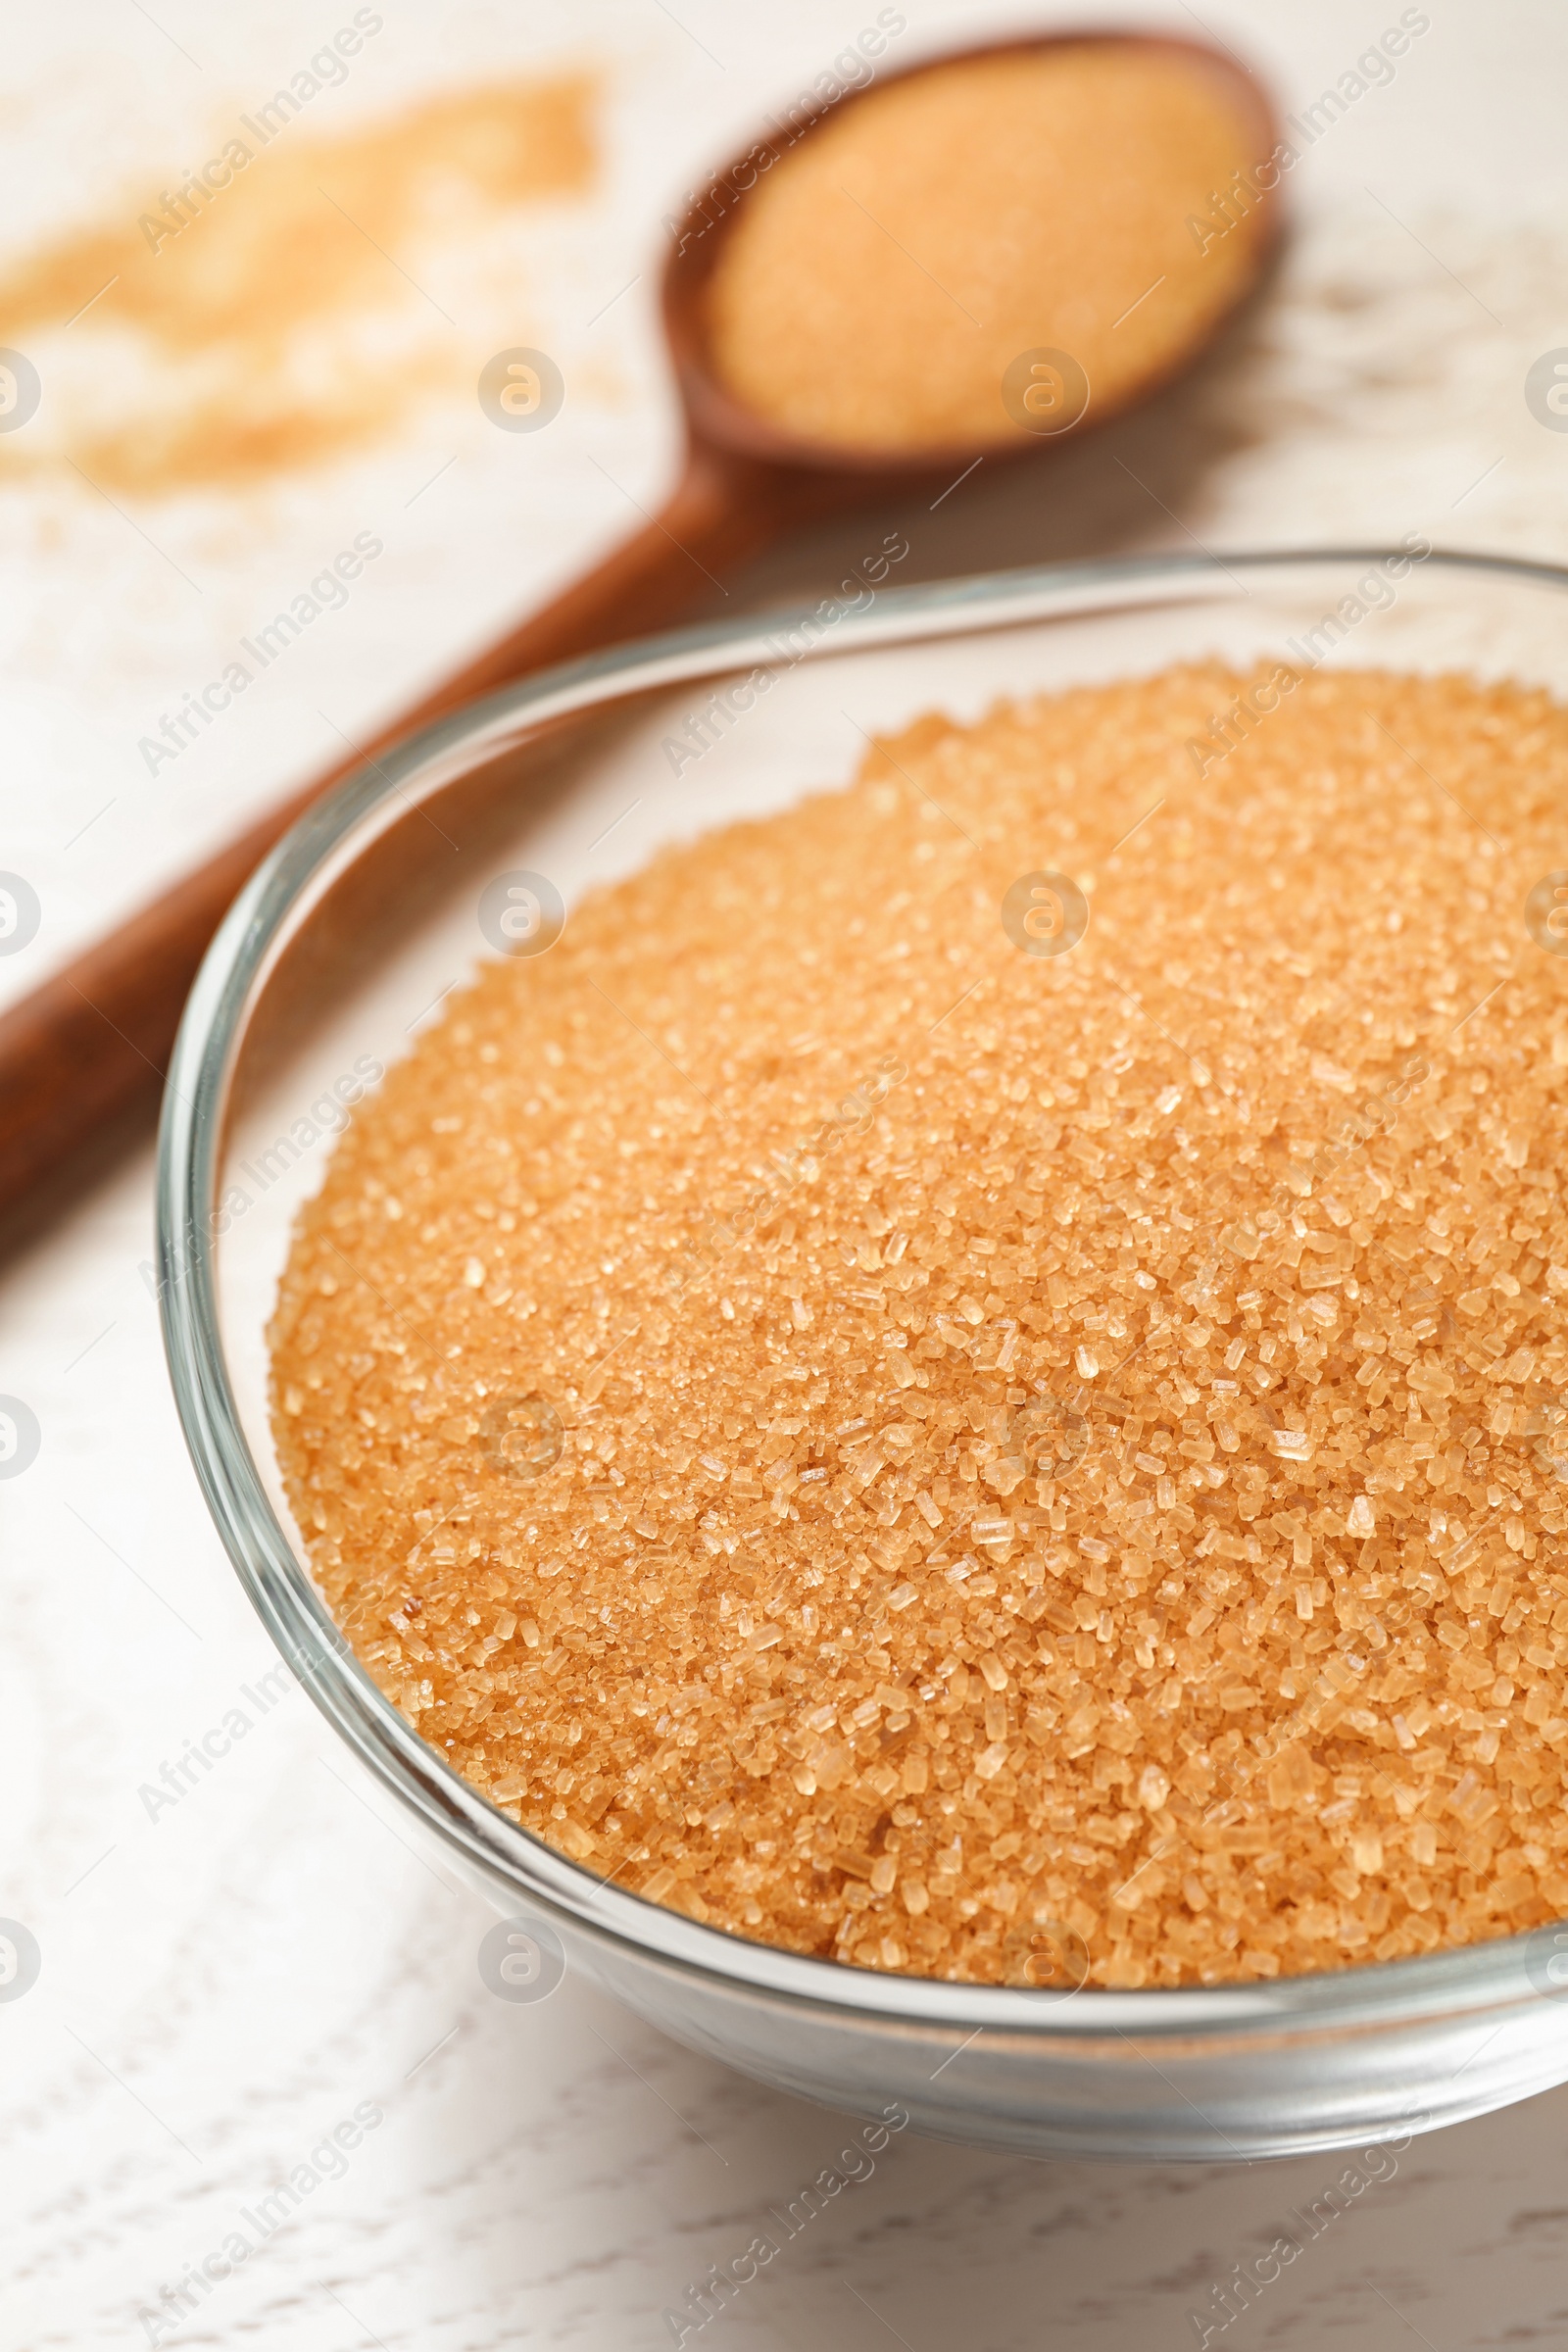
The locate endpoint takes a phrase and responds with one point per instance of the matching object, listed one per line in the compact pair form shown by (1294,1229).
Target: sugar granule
(878,282)
(898,1446)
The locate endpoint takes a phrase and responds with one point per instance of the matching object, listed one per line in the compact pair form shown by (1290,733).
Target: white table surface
(223,1984)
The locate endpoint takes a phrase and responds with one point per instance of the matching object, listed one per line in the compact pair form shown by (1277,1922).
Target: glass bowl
(348,939)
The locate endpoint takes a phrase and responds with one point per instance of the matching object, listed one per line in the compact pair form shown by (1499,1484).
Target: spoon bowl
(717,420)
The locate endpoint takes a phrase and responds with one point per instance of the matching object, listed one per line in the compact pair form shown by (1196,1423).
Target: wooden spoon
(81,1059)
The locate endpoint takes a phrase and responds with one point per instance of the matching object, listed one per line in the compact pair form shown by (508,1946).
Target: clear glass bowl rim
(497,1849)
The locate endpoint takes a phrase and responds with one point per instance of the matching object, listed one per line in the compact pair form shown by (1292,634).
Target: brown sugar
(882,277)
(261,324)
(898,1446)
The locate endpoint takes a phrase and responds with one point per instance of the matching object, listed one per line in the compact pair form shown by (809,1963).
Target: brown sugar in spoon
(961,260)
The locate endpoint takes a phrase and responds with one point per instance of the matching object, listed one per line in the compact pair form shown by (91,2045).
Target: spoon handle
(83,1057)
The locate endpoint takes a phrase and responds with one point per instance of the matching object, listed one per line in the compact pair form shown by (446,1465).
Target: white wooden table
(229,1979)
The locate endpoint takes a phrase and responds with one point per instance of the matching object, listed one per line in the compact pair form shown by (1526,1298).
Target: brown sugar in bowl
(912,1446)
